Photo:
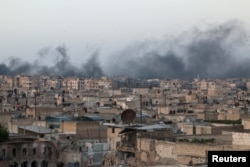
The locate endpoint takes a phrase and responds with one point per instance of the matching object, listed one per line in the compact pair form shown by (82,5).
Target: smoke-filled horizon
(219,51)
(60,65)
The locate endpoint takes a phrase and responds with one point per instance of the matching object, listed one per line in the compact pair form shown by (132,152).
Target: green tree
(4,134)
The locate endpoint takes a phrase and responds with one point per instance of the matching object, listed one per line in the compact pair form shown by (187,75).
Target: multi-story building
(71,83)
(98,84)
(22,81)
(28,152)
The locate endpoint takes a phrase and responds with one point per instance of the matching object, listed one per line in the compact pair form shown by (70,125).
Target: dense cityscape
(125,83)
(120,121)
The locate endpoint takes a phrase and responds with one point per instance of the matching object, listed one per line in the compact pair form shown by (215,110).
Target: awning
(127,130)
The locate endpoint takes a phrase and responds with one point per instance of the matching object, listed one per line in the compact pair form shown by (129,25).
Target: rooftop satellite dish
(128,116)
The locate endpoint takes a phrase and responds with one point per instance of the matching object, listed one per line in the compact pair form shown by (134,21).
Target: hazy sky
(83,26)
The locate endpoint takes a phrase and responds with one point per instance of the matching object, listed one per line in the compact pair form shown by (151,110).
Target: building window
(34,164)
(14,152)
(24,164)
(34,151)
(44,150)
(24,151)
(3,152)
(113,130)
(44,164)
(15,164)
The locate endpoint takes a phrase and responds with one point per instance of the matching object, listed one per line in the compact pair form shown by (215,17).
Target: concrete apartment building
(71,83)
(98,84)
(27,152)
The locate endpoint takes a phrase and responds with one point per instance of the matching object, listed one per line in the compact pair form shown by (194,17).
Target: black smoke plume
(219,51)
(92,67)
(61,66)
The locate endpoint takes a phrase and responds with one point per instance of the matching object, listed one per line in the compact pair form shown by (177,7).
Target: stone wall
(69,127)
(164,152)
(219,128)
(68,156)
(195,129)
(148,150)
(29,151)
(203,129)
(113,137)
(4,119)
(241,138)
(246,123)
(165,149)
(229,115)
(14,123)
(91,130)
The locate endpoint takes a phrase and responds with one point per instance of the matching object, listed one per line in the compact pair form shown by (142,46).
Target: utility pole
(141,108)
(140,116)
(35,107)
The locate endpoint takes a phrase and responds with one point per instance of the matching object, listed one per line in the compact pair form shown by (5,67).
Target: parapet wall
(164,152)
(241,139)
(246,123)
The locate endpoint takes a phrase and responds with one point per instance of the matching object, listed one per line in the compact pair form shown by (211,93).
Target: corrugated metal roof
(155,127)
(146,128)
(36,129)
(58,118)
(90,118)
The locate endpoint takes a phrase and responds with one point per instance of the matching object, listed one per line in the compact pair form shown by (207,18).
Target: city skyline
(174,39)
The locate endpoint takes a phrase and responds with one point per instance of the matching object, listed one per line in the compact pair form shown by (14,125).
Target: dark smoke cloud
(92,67)
(61,66)
(44,51)
(16,66)
(216,52)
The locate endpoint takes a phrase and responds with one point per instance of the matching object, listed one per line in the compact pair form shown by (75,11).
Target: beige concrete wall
(163,110)
(246,123)
(201,116)
(175,118)
(42,112)
(183,153)
(191,98)
(14,123)
(145,144)
(187,129)
(165,149)
(70,156)
(30,113)
(39,123)
(203,129)
(114,92)
(69,127)
(108,110)
(185,159)
(91,130)
(113,137)
(4,120)
(233,114)
(140,91)
(241,138)
(230,114)
(122,104)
